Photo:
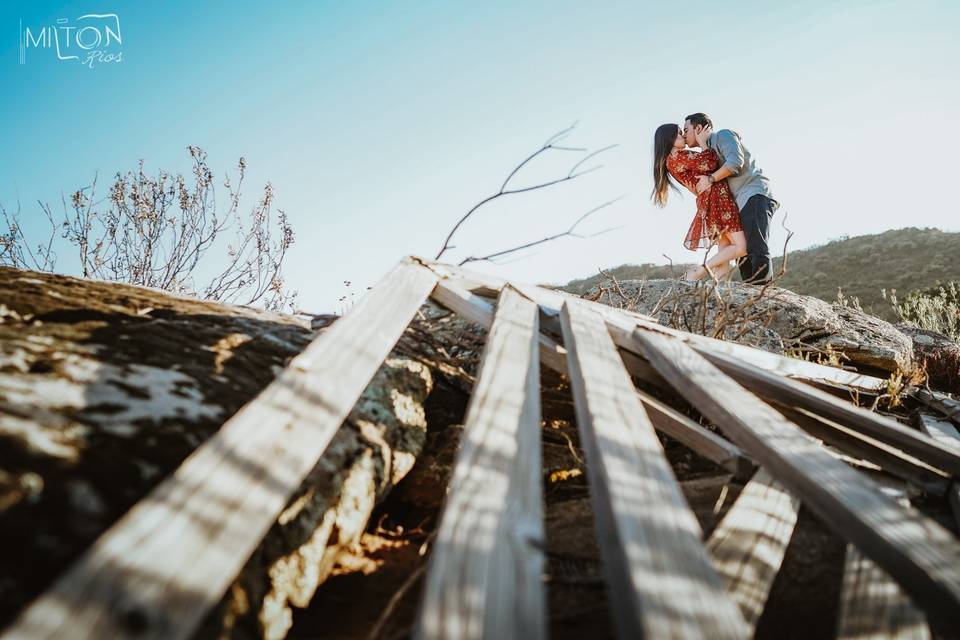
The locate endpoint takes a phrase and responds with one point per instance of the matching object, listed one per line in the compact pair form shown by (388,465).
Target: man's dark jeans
(756,267)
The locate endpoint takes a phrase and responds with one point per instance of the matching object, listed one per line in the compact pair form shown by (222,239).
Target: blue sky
(379,124)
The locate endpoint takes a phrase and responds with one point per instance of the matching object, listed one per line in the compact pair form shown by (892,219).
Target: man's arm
(704,182)
(732,151)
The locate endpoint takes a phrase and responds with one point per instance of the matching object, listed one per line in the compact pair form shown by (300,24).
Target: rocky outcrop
(106,388)
(780,320)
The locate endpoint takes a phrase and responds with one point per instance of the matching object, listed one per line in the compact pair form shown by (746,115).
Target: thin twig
(571,232)
(549,145)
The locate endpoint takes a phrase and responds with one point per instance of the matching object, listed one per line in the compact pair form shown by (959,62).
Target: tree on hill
(934,309)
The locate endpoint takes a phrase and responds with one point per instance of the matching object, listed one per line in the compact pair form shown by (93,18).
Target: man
(750,188)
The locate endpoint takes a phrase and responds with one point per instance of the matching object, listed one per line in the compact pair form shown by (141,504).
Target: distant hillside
(900,259)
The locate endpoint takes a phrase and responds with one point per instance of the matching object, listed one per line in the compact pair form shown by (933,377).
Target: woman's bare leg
(698,272)
(731,246)
(722,268)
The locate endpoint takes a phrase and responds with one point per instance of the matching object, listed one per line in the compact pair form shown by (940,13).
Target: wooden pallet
(162,567)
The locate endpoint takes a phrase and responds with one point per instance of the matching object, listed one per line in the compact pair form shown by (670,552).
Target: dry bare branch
(570,232)
(549,145)
(15,247)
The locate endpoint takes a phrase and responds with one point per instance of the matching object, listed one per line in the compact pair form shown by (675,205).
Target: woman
(718,219)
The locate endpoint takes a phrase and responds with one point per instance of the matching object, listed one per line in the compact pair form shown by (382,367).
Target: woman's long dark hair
(663,141)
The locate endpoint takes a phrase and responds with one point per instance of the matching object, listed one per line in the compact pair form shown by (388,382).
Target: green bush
(935,309)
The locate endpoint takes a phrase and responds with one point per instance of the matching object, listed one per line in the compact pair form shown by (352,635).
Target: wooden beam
(920,554)
(854,443)
(476,309)
(786,391)
(668,420)
(659,577)
(941,430)
(168,561)
(945,432)
(665,419)
(748,545)
(941,402)
(485,578)
(872,605)
(640,368)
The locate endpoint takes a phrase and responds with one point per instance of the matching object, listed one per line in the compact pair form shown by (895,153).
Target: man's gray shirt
(747,179)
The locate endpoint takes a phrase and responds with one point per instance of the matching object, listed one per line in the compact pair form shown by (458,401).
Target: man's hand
(703,183)
(702,135)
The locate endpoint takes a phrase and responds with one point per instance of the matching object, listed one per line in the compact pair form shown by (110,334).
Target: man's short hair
(701,119)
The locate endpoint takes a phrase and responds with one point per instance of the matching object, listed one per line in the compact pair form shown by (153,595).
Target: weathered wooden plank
(941,430)
(856,444)
(920,554)
(640,368)
(668,420)
(941,402)
(945,432)
(161,567)
(748,545)
(664,418)
(872,605)
(621,323)
(476,309)
(784,390)
(660,580)
(486,570)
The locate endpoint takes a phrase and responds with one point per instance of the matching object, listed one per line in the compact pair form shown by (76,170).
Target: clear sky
(379,124)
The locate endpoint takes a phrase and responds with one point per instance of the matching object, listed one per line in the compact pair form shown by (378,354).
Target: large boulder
(773,318)
(106,388)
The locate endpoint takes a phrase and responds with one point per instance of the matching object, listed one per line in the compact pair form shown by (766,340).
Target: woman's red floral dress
(717,211)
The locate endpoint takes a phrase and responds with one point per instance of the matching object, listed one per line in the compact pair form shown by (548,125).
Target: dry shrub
(156,231)
(935,309)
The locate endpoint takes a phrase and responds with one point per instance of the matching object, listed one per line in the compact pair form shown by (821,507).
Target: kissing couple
(734,202)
